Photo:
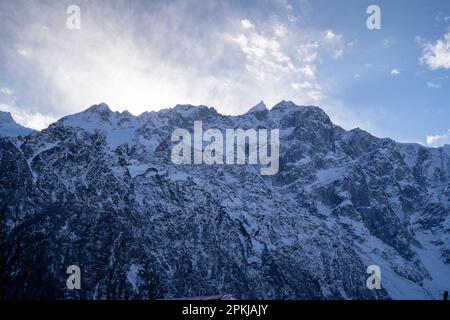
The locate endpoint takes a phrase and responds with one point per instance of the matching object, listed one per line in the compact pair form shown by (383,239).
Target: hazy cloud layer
(171,52)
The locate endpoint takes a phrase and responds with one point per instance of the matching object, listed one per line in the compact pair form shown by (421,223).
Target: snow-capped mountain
(98,189)
(10,128)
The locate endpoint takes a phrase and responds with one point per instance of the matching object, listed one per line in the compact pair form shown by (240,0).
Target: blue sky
(148,55)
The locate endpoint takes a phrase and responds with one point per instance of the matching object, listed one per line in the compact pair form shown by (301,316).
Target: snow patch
(133,276)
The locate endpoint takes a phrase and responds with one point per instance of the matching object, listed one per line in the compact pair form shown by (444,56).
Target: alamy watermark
(73,21)
(216,147)
(374,20)
(74,279)
(374,280)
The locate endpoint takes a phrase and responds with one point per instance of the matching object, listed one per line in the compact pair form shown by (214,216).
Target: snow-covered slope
(98,189)
(9,128)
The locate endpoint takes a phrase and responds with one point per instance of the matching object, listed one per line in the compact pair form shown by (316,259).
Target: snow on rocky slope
(98,189)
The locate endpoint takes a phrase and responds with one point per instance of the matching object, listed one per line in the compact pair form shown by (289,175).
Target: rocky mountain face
(10,128)
(98,189)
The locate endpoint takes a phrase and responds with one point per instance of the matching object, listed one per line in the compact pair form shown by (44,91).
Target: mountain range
(98,189)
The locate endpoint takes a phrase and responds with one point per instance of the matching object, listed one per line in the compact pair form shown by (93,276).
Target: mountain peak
(6,117)
(258,108)
(10,128)
(94,117)
(188,110)
(284,105)
(101,107)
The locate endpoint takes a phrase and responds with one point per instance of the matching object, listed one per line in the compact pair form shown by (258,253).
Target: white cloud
(247,24)
(305,85)
(33,120)
(291,14)
(352,43)
(335,44)
(308,52)
(271,58)
(280,30)
(431,84)
(438,140)
(436,55)
(264,54)
(441,17)
(311,90)
(330,35)
(22,52)
(357,76)
(419,40)
(7,91)
(337,54)
(293,18)
(387,43)
(308,71)
(396,72)
(315,96)
(30,119)
(436,82)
